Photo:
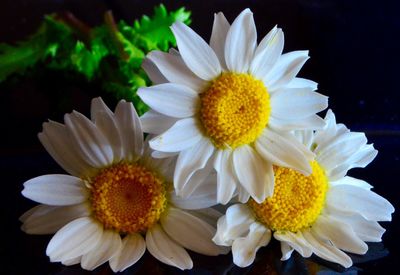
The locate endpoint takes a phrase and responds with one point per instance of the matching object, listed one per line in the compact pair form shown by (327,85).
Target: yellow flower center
(234,109)
(297,200)
(128,198)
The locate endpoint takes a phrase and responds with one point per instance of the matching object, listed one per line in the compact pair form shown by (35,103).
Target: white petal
(340,234)
(254,173)
(55,138)
(306,137)
(183,134)
(209,215)
(190,161)
(368,231)
(89,139)
(190,231)
(56,190)
(241,42)
(109,244)
(175,70)
(156,123)
(131,130)
(347,198)
(244,248)
(162,247)
(286,251)
(74,239)
(153,72)
(196,53)
(243,196)
(352,181)
(234,224)
(285,70)
(226,180)
(302,83)
(283,151)
(132,249)
(72,261)
(267,53)
(98,106)
(327,252)
(297,103)
(204,196)
(309,123)
(46,219)
(171,99)
(218,37)
(295,240)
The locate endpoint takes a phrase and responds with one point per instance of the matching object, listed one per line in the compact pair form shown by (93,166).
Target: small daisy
(325,213)
(228,106)
(117,201)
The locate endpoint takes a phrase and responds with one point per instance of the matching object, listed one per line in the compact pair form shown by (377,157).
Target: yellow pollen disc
(128,198)
(297,200)
(235,109)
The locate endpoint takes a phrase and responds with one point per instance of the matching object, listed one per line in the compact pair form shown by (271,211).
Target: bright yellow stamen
(297,200)
(235,109)
(128,197)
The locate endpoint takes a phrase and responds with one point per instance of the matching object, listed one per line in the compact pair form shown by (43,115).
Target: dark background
(354,58)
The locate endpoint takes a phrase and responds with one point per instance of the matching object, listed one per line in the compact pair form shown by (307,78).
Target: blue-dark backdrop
(354,57)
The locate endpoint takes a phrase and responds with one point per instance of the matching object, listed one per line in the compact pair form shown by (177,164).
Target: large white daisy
(228,105)
(325,213)
(117,201)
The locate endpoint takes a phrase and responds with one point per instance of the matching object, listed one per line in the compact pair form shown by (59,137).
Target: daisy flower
(326,213)
(117,200)
(228,106)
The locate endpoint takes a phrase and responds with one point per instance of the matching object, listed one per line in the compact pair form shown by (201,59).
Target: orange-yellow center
(235,109)
(127,197)
(297,200)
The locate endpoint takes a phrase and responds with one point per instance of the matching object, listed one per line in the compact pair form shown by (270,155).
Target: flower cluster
(230,123)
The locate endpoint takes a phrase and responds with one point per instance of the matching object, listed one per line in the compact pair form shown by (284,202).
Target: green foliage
(111,53)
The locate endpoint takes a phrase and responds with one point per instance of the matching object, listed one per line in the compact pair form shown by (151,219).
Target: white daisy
(229,105)
(117,201)
(325,213)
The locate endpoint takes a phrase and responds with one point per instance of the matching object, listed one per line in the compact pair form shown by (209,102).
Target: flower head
(228,105)
(118,200)
(326,213)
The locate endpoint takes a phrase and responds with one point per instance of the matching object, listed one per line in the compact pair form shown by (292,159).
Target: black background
(354,58)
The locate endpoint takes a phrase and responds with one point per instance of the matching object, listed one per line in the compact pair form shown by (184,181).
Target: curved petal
(196,53)
(156,77)
(190,231)
(132,249)
(297,103)
(44,219)
(171,99)
(56,190)
(286,250)
(89,139)
(296,241)
(244,248)
(190,161)
(234,224)
(106,248)
(352,199)
(56,139)
(156,123)
(302,83)
(162,247)
(285,70)
(204,196)
(218,37)
(74,239)
(341,235)
(98,106)
(130,129)
(352,181)
(283,151)
(254,173)
(183,134)
(226,178)
(267,53)
(175,70)
(241,42)
(326,251)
